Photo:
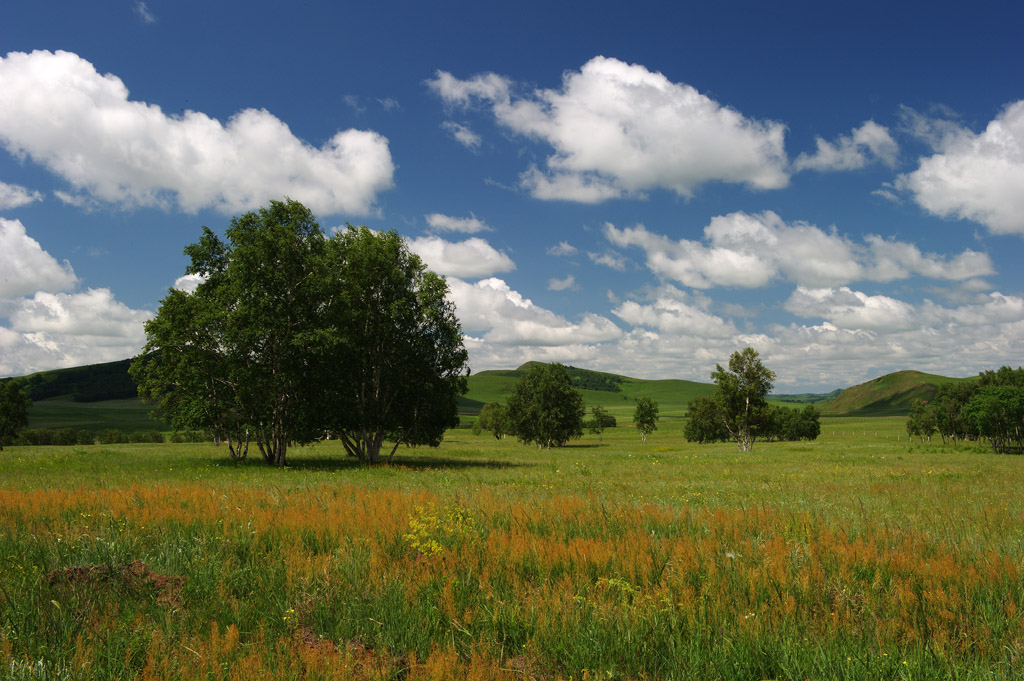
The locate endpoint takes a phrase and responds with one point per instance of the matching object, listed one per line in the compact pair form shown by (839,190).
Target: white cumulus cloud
(53,330)
(618,129)
(25,267)
(562,248)
(750,251)
(975,177)
(865,144)
(504,317)
(569,283)
(57,110)
(848,309)
(188,283)
(464,134)
(673,312)
(15,196)
(447,223)
(472,258)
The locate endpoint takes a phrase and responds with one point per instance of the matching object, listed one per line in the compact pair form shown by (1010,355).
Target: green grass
(128,415)
(857,556)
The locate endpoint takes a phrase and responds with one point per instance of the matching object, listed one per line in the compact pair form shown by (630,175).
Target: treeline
(584,379)
(990,408)
(773,424)
(70,437)
(738,411)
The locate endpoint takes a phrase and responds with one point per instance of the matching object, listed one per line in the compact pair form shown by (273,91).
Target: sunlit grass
(858,556)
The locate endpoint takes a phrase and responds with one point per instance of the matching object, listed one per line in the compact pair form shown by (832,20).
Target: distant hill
(804,398)
(890,395)
(612,391)
(92,383)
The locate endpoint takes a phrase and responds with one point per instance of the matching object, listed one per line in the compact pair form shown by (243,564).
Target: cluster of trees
(992,407)
(545,408)
(291,335)
(738,410)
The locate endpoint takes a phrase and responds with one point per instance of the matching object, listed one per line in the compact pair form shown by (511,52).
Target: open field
(127,415)
(856,556)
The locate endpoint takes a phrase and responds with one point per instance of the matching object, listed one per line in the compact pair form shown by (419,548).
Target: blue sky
(618,186)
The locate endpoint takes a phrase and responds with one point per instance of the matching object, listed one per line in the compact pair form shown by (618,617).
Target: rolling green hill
(890,395)
(91,383)
(616,393)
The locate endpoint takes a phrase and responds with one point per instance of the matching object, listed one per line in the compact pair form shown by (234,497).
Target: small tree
(493,418)
(645,417)
(705,422)
(741,395)
(14,404)
(600,420)
(544,408)
(921,421)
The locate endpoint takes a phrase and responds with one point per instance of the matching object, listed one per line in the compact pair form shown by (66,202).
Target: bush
(112,436)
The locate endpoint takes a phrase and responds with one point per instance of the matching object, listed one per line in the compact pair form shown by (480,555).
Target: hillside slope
(616,393)
(890,395)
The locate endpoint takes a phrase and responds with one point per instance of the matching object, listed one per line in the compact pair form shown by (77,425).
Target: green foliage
(741,393)
(921,422)
(997,413)
(291,335)
(494,419)
(584,379)
(14,404)
(1002,376)
(790,425)
(67,437)
(996,410)
(391,347)
(645,417)
(544,408)
(948,409)
(705,423)
(600,419)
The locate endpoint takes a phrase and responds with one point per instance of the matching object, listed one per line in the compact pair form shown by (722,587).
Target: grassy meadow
(857,556)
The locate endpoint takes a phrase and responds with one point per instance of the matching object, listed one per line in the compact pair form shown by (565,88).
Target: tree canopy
(738,407)
(493,418)
(290,335)
(600,419)
(645,417)
(14,404)
(544,408)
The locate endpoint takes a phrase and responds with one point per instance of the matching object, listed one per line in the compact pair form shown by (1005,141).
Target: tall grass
(856,556)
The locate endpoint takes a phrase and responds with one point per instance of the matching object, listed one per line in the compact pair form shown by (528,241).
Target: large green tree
(14,404)
(290,335)
(395,355)
(544,408)
(738,407)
